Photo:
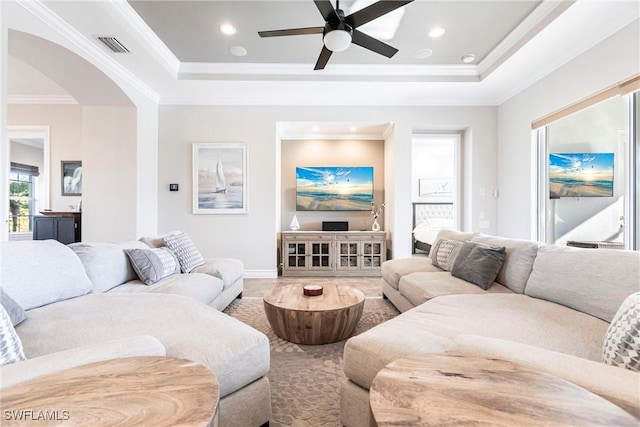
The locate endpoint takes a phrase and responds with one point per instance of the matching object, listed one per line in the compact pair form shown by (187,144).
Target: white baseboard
(260,274)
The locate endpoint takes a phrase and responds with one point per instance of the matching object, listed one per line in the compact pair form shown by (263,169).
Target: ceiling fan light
(337,40)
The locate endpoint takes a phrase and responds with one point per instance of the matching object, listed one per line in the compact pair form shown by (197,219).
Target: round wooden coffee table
(132,391)
(330,317)
(437,390)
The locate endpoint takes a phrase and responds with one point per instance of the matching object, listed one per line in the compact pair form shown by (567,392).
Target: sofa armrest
(618,385)
(126,347)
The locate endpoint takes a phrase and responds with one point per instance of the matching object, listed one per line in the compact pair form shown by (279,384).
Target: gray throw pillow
(444,253)
(622,341)
(478,263)
(188,255)
(15,312)
(10,344)
(151,265)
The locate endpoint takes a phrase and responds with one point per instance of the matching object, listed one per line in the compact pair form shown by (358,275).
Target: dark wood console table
(62,226)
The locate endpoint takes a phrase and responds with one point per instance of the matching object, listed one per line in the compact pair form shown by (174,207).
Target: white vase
(375,226)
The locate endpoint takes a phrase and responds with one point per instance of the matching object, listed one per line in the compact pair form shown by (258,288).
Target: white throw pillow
(10,344)
(41,272)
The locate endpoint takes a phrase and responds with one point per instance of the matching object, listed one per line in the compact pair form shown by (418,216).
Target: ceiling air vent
(113,44)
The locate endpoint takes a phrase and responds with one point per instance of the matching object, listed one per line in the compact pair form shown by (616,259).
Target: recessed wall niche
(303,153)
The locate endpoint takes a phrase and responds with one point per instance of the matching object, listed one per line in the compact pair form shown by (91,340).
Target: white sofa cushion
(593,281)
(107,264)
(54,362)
(620,386)
(234,351)
(200,287)
(432,327)
(40,272)
(421,287)
(227,269)
(393,269)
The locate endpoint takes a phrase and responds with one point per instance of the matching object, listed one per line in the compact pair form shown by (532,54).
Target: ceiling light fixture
(237,51)
(315,128)
(436,32)
(337,37)
(353,128)
(468,58)
(228,29)
(422,53)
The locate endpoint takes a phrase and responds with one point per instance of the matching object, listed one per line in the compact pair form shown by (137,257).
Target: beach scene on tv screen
(334,188)
(581,175)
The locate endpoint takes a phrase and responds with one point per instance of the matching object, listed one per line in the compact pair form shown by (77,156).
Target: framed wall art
(220,178)
(71,177)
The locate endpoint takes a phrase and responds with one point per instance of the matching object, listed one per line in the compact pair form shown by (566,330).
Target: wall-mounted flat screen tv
(333,188)
(580,175)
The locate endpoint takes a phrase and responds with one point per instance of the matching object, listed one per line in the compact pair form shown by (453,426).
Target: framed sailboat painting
(220,178)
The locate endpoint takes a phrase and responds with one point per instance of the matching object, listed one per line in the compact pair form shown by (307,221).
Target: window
(22,185)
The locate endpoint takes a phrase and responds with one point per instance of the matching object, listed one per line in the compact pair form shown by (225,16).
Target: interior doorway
(28,170)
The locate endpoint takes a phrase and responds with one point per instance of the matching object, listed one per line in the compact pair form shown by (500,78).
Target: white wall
(109,164)
(65,141)
(253,237)
(611,61)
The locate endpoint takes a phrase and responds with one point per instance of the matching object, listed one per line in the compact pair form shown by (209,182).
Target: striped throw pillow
(188,255)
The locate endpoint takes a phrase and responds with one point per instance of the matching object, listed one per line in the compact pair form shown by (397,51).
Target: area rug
(306,379)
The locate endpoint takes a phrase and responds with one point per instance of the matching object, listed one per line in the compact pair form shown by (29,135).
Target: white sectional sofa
(553,304)
(84,304)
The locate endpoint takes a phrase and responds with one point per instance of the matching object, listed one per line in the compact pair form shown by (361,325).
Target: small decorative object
(312,290)
(375,212)
(295,225)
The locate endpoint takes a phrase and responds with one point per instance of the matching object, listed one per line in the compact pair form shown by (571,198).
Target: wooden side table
(132,391)
(330,317)
(439,390)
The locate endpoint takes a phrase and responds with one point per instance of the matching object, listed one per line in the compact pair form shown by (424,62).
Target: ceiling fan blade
(374,45)
(374,11)
(291,32)
(327,10)
(325,54)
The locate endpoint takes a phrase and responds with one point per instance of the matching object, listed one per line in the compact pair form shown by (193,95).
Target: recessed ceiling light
(436,32)
(237,51)
(423,53)
(468,58)
(315,128)
(228,29)
(353,128)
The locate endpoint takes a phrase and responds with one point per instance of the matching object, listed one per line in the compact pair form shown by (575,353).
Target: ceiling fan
(339,31)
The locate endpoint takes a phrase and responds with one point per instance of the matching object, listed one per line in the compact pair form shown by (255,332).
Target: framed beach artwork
(220,178)
(71,177)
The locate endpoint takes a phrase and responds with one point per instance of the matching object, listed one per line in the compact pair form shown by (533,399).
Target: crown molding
(100,58)
(41,99)
(305,100)
(586,43)
(535,22)
(155,46)
(359,72)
